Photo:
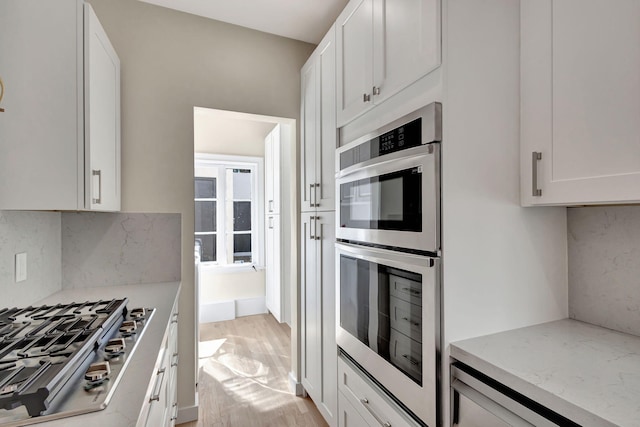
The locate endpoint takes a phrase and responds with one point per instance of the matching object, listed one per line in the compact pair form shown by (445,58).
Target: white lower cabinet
(318,314)
(273,268)
(163,396)
(362,403)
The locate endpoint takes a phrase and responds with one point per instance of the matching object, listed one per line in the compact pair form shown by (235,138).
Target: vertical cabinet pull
(312,225)
(535,157)
(98,173)
(376,90)
(366,97)
(315,203)
(1,93)
(270,205)
(365,403)
(312,199)
(315,228)
(270,222)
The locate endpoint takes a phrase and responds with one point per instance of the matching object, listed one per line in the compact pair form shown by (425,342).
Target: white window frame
(202,161)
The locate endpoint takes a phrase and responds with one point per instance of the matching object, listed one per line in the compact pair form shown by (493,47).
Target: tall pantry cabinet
(60,129)
(317,288)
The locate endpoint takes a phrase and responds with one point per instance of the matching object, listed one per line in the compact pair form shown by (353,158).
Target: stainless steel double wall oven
(387,257)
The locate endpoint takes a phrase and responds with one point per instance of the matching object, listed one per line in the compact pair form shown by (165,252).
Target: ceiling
(305,20)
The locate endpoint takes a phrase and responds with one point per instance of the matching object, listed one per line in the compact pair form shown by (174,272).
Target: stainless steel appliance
(388,182)
(64,360)
(388,322)
(387,258)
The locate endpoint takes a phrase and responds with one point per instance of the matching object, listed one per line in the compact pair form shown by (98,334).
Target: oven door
(394,202)
(388,321)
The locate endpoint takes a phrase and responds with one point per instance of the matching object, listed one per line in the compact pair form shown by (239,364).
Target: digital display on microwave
(406,136)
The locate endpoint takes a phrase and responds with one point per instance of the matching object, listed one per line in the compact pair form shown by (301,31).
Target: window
(227,208)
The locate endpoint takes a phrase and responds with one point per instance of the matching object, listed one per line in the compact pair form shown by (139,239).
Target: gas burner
(137,313)
(128,328)
(115,347)
(97,374)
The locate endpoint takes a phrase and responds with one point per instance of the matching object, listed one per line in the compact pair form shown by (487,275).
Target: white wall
(37,234)
(171,62)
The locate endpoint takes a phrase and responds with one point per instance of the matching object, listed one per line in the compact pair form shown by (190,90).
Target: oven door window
(382,307)
(385,202)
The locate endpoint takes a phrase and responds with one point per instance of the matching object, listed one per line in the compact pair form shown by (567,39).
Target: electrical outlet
(21,267)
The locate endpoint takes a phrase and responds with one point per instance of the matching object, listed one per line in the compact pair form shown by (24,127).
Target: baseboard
(217,311)
(230,309)
(295,386)
(251,306)
(188,414)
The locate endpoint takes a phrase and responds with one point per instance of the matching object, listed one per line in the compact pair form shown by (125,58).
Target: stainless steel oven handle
(365,403)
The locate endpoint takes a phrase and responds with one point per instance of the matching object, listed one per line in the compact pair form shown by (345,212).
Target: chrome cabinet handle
(175,412)
(1,93)
(158,386)
(535,157)
(365,403)
(271,222)
(176,357)
(270,205)
(98,173)
(315,195)
(366,97)
(312,224)
(175,318)
(315,228)
(376,90)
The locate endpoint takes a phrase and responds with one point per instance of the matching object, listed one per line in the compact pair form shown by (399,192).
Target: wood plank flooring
(243,376)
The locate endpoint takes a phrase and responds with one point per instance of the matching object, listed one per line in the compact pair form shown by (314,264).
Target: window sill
(226,269)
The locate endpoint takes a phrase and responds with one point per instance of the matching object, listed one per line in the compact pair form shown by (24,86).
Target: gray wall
(37,234)
(604,266)
(171,62)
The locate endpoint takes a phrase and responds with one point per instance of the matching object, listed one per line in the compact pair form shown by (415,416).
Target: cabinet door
(273,284)
(309,130)
(580,66)
(102,117)
(272,171)
(347,414)
(40,61)
(406,43)
(354,43)
(326,144)
(311,304)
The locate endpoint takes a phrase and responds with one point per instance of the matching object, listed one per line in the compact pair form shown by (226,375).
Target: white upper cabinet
(272,154)
(382,47)
(60,131)
(580,102)
(318,128)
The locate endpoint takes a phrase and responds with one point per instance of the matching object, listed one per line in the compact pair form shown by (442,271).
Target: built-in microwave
(388,322)
(388,183)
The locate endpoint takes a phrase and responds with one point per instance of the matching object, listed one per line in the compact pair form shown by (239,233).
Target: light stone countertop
(128,399)
(586,373)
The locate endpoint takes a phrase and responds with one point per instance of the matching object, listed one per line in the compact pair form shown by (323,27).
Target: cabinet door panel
(273,272)
(354,36)
(102,117)
(581,101)
(406,43)
(348,416)
(309,131)
(325,151)
(311,321)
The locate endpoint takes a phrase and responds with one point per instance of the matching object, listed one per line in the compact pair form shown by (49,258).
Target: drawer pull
(176,358)
(365,403)
(412,291)
(411,360)
(410,321)
(158,387)
(175,412)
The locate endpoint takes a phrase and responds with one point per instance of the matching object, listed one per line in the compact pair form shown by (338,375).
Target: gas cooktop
(63,360)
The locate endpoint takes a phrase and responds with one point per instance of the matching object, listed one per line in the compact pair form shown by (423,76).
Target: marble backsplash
(604,266)
(100,249)
(37,234)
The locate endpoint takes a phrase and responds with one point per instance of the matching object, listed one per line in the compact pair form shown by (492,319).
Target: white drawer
(406,318)
(405,289)
(373,405)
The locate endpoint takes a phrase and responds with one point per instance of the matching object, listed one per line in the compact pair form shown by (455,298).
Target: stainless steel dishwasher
(479,401)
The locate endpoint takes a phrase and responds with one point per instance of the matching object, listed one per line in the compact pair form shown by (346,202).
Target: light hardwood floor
(243,376)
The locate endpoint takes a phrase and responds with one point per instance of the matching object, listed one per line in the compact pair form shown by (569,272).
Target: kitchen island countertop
(584,372)
(127,401)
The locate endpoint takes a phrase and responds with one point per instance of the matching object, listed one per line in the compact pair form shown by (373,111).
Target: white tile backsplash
(604,266)
(101,249)
(37,234)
